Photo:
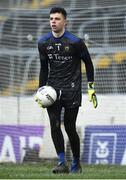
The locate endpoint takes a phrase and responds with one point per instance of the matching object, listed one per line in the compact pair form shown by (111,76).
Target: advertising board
(105,145)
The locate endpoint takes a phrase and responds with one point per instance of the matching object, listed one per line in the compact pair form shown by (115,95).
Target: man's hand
(91,94)
(38,101)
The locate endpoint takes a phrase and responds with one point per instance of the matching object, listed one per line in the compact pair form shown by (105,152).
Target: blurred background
(101,24)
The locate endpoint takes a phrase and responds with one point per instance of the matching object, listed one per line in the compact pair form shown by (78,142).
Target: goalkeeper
(60,58)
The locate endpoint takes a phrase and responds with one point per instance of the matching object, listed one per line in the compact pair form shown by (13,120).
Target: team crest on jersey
(67,48)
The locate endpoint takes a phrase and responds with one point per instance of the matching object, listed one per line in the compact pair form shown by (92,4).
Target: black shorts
(68,99)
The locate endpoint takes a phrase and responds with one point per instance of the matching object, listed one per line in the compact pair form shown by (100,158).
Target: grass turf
(43,171)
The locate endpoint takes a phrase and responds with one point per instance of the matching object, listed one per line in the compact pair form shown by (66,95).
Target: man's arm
(85,56)
(43,76)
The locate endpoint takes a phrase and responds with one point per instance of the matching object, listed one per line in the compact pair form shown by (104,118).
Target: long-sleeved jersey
(60,60)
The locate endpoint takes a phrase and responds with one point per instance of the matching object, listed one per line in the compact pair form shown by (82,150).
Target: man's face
(57,22)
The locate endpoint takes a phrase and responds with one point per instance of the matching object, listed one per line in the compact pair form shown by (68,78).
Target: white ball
(47,95)
(29,37)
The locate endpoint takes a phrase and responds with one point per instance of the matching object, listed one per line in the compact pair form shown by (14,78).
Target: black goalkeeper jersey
(60,60)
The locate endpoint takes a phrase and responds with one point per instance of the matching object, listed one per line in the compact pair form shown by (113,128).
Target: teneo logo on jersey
(57,57)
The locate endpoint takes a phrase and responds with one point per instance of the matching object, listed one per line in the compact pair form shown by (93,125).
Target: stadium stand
(103,29)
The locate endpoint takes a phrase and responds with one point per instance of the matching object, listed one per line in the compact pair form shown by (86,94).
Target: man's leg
(54,113)
(70,117)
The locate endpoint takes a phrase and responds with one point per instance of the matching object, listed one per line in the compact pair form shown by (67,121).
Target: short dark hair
(59,10)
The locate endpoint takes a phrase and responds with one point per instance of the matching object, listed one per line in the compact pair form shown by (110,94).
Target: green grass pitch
(43,171)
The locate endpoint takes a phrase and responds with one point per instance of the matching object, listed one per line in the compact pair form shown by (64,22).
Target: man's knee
(55,126)
(70,129)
